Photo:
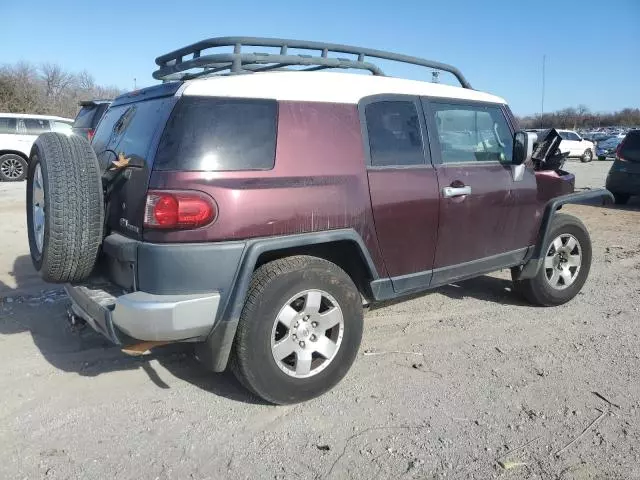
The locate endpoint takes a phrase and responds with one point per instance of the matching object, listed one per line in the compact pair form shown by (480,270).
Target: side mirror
(523,147)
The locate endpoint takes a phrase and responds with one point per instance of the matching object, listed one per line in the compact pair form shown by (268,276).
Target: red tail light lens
(178,210)
(618,150)
(90,134)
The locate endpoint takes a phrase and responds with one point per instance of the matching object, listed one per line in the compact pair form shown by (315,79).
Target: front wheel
(565,266)
(587,156)
(299,331)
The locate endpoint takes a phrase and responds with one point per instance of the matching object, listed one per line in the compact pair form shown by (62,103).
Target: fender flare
(532,266)
(215,351)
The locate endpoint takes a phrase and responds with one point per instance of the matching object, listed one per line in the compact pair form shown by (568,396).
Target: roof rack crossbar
(185,59)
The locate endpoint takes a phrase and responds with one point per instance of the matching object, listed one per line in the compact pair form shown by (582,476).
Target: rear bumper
(144,316)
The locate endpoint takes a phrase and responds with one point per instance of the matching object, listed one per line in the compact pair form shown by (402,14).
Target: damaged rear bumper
(144,316)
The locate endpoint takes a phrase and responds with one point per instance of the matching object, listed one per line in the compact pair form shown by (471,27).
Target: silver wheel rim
(307,333)
(39,208)
(587,155)
(562,262)
(12,168)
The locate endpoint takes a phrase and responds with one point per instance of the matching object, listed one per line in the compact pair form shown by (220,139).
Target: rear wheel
(65,208)
(565,266)
(299,331)
(621,198)
(587,156)
(13,168)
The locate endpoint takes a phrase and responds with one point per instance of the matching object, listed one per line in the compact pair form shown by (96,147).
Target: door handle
(449,192)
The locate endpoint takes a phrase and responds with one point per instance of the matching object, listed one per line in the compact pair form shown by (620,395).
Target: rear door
(486,213)
(28,131)
(131,130)
(403,188)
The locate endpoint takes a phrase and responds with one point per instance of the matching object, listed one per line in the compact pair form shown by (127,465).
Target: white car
(18,131)
(577,146)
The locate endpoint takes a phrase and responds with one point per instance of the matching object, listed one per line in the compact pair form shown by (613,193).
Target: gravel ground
(463,382)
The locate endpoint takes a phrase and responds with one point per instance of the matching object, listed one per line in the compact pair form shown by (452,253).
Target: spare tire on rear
(65,207)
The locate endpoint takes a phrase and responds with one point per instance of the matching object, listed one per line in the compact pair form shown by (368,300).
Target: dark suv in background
(624,176)
(90,113)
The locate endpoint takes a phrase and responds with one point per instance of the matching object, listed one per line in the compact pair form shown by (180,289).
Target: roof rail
(174,66)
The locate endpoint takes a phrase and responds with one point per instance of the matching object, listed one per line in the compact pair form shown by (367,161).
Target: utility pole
(134,84)
(544,59)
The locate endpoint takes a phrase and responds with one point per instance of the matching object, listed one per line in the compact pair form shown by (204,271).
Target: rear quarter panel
(318,183)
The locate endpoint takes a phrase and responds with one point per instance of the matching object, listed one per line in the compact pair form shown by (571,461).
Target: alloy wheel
(12,168)
(307,333)
(562,262)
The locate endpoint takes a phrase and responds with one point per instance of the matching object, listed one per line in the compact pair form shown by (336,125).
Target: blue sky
(592,48)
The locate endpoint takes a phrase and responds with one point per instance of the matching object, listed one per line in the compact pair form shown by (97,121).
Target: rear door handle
(449,192)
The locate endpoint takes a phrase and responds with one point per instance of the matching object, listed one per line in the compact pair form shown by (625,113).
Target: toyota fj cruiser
(253,204)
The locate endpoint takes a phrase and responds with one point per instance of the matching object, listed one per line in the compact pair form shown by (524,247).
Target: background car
(18,131)
(576,146)
(607,148)
(623,179)
(88,117)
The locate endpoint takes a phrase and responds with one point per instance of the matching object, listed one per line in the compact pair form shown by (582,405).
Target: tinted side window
(630,149)
(36,126)
(394,133)
(7,125)
(472,133)
(215,134)
(572,136)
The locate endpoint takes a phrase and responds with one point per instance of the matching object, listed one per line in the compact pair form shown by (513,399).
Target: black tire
(621,198)
(73,206)
(538,290)
(13,168)
(272,285)
(587,156)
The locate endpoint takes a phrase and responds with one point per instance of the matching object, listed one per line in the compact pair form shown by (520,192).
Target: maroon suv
(254,211)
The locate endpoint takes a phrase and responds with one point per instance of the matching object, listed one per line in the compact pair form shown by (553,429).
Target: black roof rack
(174,65)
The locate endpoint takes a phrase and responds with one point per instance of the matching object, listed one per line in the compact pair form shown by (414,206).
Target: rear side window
(36,126)
(7,126)
(394,133)
(630,149)
(216,134)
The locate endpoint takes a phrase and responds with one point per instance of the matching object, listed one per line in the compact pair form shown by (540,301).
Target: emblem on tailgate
(124,223)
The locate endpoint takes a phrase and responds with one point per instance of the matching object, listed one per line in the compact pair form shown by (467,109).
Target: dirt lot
(451,384)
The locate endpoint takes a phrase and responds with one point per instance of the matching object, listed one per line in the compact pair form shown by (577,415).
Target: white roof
(28,115)
(324,87)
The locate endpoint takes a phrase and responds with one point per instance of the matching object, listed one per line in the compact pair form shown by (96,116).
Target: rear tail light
(178,209)
(90,134)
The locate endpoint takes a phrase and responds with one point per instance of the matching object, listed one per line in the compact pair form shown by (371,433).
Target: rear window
(84,119)
(214,134)
(7,126)
(130,129)
(630,149)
